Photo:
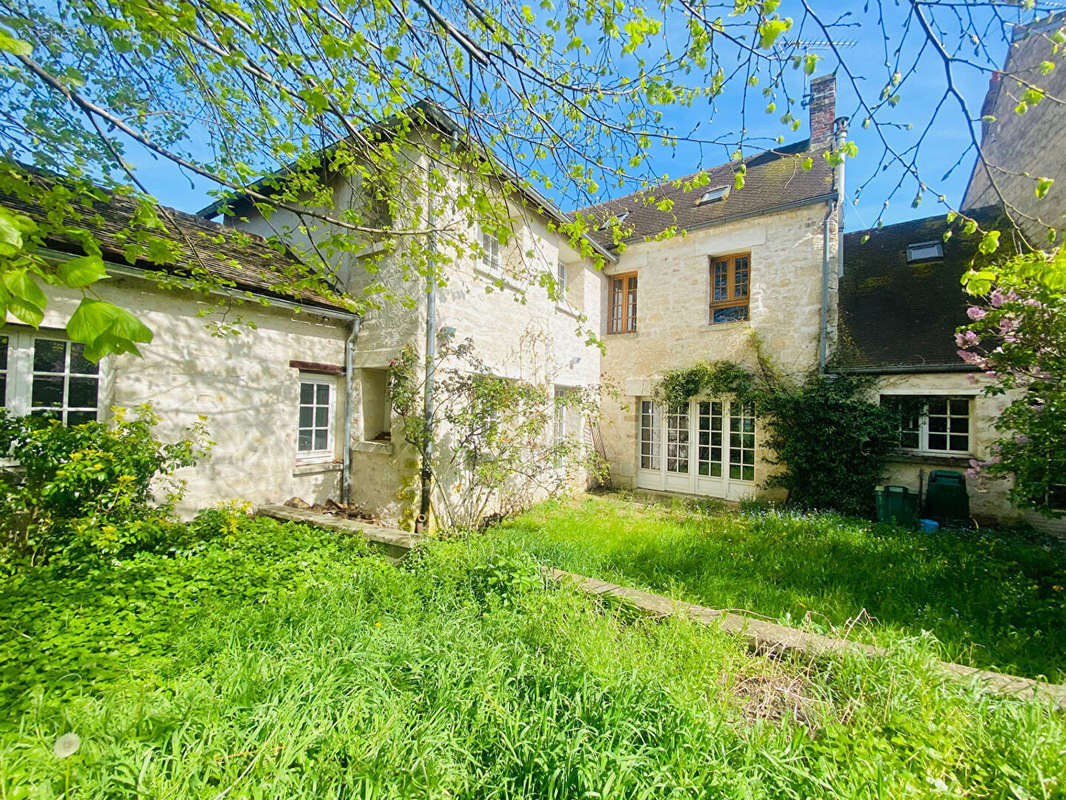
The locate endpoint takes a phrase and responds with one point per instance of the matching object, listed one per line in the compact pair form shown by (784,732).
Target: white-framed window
(314,440)
(48,376)
(701,438)
(650,423)
(560,278)
(490,251)
(933,423)
(713,195)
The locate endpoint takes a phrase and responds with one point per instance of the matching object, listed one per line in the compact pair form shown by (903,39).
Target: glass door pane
(709,460)
(649,434)
(677,440)
(742,441)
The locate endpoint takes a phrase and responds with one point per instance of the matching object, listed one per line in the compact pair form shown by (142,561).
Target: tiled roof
(244,260)
(900,315)
(775,179)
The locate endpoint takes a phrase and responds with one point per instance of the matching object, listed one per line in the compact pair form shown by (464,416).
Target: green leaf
(26,300)
(989,242)
(1042,186)
(770,30)
(808,162)
(13,45)
(105,328)
(81,271)
(10,233)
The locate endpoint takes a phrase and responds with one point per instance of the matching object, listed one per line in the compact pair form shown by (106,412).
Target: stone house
(301,406)
(750,268)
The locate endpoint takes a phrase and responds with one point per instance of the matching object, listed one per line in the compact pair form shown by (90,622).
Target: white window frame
(655,429)
(18,396)
(713,195)
(315,456)
(490,252)
(923,447)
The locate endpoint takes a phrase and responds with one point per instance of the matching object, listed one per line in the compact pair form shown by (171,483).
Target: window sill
(497,277)
(622,333)
(384,448)
(730,324)
(938,459)
(316,467)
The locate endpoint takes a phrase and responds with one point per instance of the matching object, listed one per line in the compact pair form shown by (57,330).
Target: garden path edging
(762,636)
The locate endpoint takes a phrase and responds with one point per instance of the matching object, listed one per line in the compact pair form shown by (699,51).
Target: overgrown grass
(291,663)
(992,599)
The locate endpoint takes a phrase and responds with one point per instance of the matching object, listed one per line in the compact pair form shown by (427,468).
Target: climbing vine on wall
(829,440)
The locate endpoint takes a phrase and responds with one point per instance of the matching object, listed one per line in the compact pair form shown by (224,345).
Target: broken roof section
(901,295)
(774,180)
(240,260)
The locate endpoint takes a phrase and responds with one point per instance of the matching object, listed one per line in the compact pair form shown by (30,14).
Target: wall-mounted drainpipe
(428,401)
(349,360)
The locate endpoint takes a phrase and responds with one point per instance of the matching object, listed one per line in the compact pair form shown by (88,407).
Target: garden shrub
(89,491)
(830,441)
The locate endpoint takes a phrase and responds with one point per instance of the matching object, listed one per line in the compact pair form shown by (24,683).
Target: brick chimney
(823,110)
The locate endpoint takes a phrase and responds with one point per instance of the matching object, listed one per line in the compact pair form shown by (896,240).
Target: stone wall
(673,314)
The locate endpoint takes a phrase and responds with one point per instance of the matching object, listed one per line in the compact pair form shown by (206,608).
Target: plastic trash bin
(898,505)
(946,497)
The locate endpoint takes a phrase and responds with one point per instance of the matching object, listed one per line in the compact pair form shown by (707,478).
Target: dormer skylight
(713,195)
(614,221)
(924,251)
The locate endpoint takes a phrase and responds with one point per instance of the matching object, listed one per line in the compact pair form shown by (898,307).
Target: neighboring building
(901,300)
(760,261)
(1019,148)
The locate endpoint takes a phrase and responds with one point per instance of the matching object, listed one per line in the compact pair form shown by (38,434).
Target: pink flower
(998,298)
(970,358)
(1007,324)
(975,313)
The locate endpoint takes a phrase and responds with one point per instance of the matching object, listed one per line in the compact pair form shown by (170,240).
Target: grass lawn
(991,599)
(284,662)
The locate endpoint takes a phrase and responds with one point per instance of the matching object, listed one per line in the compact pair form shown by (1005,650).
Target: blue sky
(919,93)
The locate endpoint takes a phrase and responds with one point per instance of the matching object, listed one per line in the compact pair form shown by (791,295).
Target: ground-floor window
(317,410)
(48,376)
(697,443)
(932,423)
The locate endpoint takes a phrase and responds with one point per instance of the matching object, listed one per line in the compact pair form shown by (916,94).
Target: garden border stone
(762,636)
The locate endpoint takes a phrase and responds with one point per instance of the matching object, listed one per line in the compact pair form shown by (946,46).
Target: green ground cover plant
(992,599)
(273,661)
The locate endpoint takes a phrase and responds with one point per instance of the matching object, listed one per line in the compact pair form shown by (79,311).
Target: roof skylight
(924,251)
(713,195)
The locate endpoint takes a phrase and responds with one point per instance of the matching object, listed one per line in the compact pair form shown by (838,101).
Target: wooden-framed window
(623,303)
(730,286)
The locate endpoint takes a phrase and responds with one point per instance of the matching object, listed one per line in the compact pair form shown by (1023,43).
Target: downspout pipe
(428,398)
(349,368)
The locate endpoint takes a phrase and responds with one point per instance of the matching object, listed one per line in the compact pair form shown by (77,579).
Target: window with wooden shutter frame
(622,303)
(730,287)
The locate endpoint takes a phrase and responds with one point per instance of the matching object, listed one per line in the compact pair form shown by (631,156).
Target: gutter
(904,369)
(823,314)
(346,456)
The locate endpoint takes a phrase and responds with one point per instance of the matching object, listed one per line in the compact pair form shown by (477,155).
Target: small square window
(924,251)
(315,419)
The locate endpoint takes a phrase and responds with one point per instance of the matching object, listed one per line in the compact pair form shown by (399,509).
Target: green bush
(831,442)
(89,491)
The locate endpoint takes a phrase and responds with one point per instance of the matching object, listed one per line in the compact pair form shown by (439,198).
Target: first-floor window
(48,377)
(932,423)
(677,439)
(315,435)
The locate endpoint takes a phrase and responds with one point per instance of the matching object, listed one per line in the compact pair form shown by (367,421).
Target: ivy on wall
(829,440)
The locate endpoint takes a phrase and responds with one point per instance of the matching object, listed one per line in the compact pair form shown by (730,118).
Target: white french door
(705,447)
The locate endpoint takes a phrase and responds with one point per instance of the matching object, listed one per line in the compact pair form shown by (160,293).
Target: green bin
(898,505)
(946,497)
